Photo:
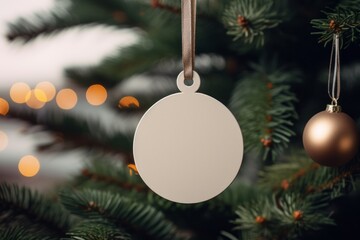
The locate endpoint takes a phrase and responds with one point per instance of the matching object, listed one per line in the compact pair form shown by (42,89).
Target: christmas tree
(266,59)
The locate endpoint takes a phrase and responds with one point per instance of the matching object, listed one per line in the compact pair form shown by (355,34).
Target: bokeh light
(29,166)
(4,107)
(40,95)
(66,99)
(128,102)
(19,92)
(3,141)
(47,89)
(33,101)
(96,94)
(132,168)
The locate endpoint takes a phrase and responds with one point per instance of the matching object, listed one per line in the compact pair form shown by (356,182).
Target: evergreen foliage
(42,218)
(293,198)
(73,132)
(140,220)
(266,112)
(96,230)
(248,20)
(299,201)
(20,233)
(343,20)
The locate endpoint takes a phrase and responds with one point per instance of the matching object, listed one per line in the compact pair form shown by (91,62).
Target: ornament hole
(188,82)
(189,86)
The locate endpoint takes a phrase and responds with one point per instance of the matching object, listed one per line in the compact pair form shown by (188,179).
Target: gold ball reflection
(331,139)
(29,166)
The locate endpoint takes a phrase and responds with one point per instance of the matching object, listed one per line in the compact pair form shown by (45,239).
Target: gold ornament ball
(331,138)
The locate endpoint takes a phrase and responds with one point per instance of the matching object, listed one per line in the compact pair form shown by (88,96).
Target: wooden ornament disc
(188,146)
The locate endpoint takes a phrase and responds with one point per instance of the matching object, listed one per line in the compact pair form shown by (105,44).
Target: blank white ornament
(188,146)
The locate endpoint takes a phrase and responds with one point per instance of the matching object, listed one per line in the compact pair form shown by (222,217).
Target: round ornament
(330,137)
(188,147)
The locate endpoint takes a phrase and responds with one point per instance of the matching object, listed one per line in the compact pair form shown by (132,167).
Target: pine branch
(344,20)
(109,180)
(20,233)
(165,6)
(302,175)
(162,34)
(264,106)
(136,59)
(283,176)
(137,219)
(159,46)
(286,217)
(303,192)
(96,230)
(79,13)
(113,176)
(86,13)
(205,9)
(20,206)
(248,21)
(213,215)
(298,215)
(255,219)
(71,132)
(341,180)
(109,175)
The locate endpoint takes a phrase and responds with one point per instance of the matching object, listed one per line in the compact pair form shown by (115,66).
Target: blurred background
(77,75)
(42,61)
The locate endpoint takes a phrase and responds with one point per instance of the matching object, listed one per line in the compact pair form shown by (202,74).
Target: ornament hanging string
(334,81)
(188,23)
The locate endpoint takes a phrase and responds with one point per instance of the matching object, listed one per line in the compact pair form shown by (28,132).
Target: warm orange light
(19,92)
(3,141)
(129,102)
(33,101)
(66,99)
(47,91)
(29,166)
(132,168)
(96,94)
(4,107)
(40,95)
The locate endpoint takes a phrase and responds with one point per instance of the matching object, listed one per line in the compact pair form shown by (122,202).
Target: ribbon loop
(188,23)
(334,83)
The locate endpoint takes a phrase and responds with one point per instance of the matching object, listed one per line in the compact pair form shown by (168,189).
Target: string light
(29,166)
(66,99)
(96,94)
(4,107)
(132,168)
(33,99)
(47,90)
(19,92)
(40,95)
(128,102)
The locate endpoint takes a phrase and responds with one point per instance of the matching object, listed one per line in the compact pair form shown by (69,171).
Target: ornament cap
(333,108)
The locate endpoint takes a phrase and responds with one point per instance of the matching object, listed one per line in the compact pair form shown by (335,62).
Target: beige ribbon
(188,23)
